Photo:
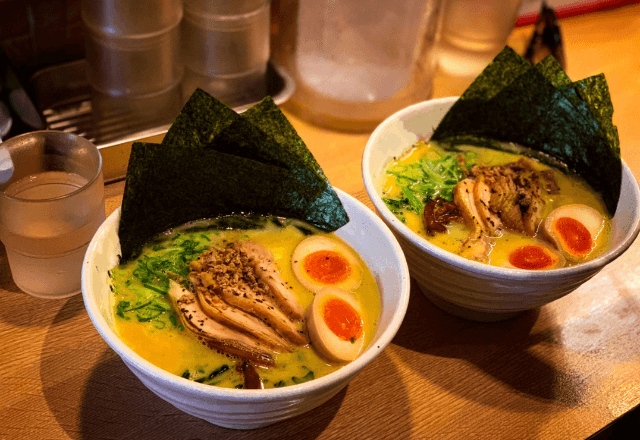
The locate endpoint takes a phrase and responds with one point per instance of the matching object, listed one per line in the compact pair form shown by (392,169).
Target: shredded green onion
(426,179)
(306,378)
(169,260)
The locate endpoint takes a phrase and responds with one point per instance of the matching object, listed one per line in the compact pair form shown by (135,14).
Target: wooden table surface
(561,372)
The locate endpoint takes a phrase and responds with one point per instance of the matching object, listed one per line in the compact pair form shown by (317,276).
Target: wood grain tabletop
(561,372)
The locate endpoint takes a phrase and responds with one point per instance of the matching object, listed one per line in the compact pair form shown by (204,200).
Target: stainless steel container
(134,65)
(133,51)
(119,112)
(224,7)
(215,43)
(233,90)
(122,18)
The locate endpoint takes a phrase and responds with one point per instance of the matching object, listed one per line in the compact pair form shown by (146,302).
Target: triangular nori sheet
(214,162)
(326,208)
(539,108)
(168,186)
(262,133)
(200,120)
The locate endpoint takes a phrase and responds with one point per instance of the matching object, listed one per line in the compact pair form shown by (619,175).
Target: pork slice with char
(240,320)
(535,204)
(482,200)
(263,262)
(229,275)
(477,245)
(214,334)
(504,196)
(464,199)
(244,297)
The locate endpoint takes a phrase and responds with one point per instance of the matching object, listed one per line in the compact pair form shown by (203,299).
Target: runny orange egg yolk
(532,257)
(342,319)
(327,267)
(575,236)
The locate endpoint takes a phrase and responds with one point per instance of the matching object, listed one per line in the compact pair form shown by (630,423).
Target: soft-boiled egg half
(527,253)
(335,324)
(574,230)
(319,262)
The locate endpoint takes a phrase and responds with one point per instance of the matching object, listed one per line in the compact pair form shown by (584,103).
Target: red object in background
(570,8)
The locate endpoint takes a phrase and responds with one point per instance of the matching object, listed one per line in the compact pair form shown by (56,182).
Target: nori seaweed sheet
(263,133)
(539,108)
(199,121)
(214,162)
(267,116)
(159,195)
(326,208)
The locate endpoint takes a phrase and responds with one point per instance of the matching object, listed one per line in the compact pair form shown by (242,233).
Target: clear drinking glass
(473,32)
(355,62)
(51,204)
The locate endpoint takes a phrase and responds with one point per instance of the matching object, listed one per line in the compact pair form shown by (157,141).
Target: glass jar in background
(132,46)
(355,62)
(473,32)
(133,59)
(225,49)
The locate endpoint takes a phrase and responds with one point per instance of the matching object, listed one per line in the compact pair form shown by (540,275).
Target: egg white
(591,219)
(317,243)
(327,343)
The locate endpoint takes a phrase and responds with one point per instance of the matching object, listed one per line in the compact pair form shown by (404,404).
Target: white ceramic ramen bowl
(470,289)
(246,409)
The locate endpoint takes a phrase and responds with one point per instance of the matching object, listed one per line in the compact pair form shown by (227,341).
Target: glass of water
(473,32)
(355,62)
(51,204)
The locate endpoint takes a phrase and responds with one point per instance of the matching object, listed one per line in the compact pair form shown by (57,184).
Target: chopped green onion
(426,179)
(218,371)
(306,378)
(155,289)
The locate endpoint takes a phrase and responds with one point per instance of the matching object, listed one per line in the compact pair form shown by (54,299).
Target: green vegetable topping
(169,259)
(426,179)
(218,371)
(306,378)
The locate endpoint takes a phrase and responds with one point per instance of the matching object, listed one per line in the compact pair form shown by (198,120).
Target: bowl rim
(460,262)
(343,374)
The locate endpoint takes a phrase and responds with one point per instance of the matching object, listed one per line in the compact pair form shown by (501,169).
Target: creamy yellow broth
(573,189)
(163,342)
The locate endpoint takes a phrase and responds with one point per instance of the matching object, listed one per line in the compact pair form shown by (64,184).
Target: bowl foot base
(466,313)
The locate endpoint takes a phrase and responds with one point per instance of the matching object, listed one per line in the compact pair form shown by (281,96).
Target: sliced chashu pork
(506,196)
(213,333)
(482,201)
(477,245)
(240,320)
(264,264)
(533,214)
(245,298)
(229,275)
(516,193)
(504,200)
